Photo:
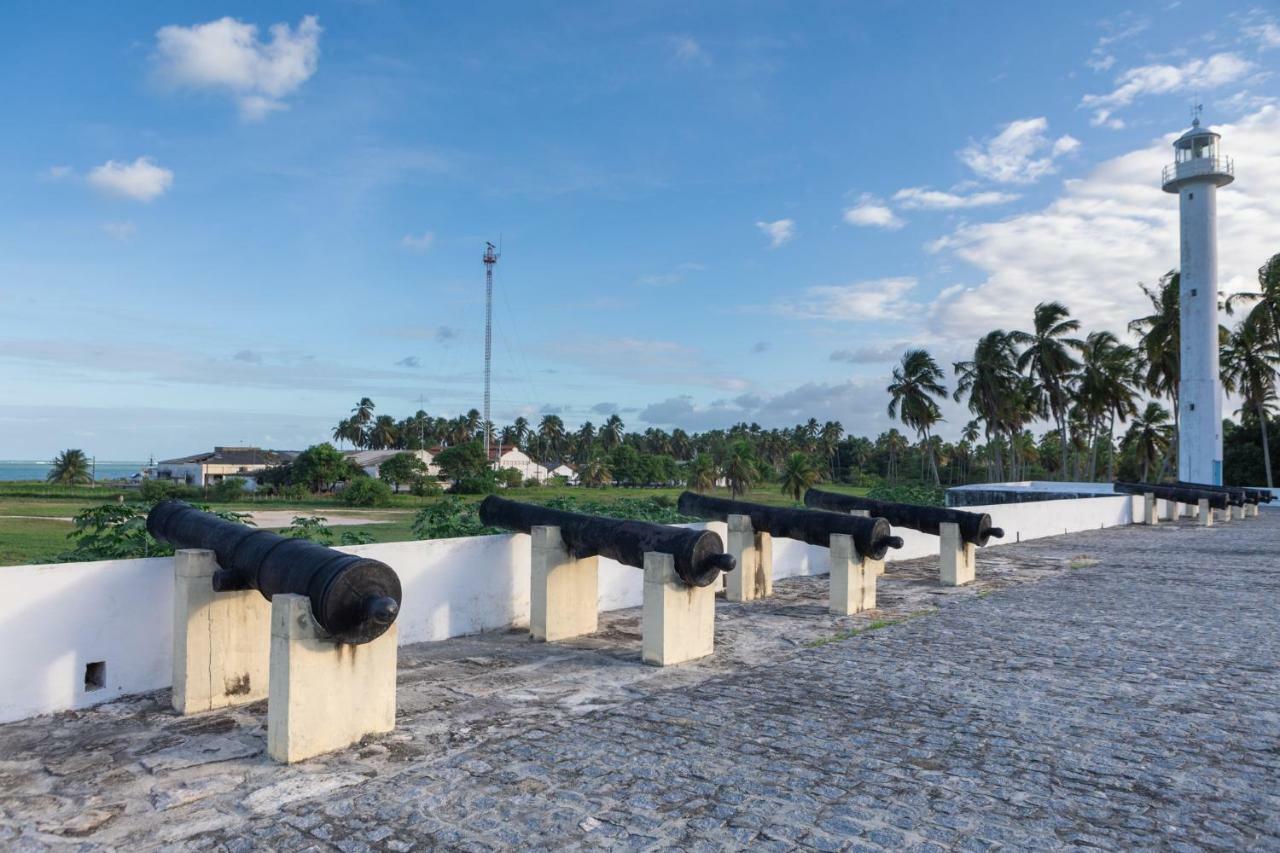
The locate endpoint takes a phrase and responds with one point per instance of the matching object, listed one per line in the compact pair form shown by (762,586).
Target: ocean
(11,470)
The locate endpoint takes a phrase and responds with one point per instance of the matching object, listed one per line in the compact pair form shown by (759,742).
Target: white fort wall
(57,619)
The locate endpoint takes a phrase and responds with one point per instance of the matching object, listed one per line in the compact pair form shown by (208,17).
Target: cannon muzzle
(699,554)
(872,537)
(1178,494)
(975,527)
(355,599)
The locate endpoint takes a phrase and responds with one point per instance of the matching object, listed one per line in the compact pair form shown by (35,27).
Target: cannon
(975,528)
(698,554)
(871,536)
(355,599)
(1177,494)
(1240,494)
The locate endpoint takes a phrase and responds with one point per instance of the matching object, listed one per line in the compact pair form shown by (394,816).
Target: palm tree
(741,468)
(363,411)
(1108,376)
(382,433)
(829,437)
(611,432)
(551,433)
(1150,435)
(348,430)
(595,471)
(1160,342)
(1249,369)
(681,446)
(701,474)
(915,383)
(521,431)
(798,474)
(990,379)
(70,468)
(1266,313)
(1047,360)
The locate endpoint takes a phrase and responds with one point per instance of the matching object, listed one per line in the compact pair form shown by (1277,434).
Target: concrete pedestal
(853,579)
(754,552)
(1149,515)
(958,558)
(1204,515)
(563,592)
(866,513)
(1237,512)
(1168,510)
(1250,510)
(678,621)
(324,695)
(221,640)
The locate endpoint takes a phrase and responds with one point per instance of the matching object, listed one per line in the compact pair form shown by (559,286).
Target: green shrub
(532,483)
(154,491)
(426,487)
(918,494)
(228,489)
(310,527)
(480,484)
(366,492)
(449,518)
(510,478)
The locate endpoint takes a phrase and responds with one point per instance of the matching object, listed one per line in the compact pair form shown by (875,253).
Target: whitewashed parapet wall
(56,620)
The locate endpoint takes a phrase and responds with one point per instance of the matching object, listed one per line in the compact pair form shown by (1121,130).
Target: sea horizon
(20,470)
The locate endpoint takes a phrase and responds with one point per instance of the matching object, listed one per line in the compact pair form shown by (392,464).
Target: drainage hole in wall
(95,675)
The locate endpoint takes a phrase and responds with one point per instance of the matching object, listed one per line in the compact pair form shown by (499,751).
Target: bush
(921,495)
(449,518)
(366,491)
(228,489)
(154,491)
(426,487)
(481,484)
(510,478)
(532,483)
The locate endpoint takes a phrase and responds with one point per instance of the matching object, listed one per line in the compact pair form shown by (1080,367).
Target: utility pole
(490,261)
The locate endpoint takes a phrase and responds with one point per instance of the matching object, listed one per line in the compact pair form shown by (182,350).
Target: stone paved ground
(1061,702)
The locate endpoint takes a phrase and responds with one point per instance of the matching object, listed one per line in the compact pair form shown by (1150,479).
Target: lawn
(37,540)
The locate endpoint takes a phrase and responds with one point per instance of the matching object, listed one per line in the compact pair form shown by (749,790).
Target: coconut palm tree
(595,471)
(829,439)
(1249,369)
(1160,342)
(1108,379)
(798,474)
(1150,435)
(681,445)
(363,411)
(382,434)
(741,468)
(701,473)
(1047,360)
(70,468)
(551,434)
(990,379)
(521,431)
(911,393)
(1265,313)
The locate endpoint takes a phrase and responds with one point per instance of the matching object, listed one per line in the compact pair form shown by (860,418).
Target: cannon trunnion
(355,599)
(698,554)
(975,528)
(871,536)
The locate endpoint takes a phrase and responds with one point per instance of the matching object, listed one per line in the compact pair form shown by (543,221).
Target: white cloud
(923,198)
(142,179)
(779,231)
(1106,232)
(419,242)
(674,276)
(120,230)
(227,55)
(1202,74)
(686,49)
(59,172)
(1264,31)
(873,213)
(879,299)
(1101,63)
(1020,153)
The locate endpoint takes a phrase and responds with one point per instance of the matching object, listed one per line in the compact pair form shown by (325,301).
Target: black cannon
(1240,495)
(871,536)
(699,554)
(353,598)
(1178,494)
(974,527)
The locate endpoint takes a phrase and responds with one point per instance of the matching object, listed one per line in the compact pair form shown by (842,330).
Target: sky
(225,223)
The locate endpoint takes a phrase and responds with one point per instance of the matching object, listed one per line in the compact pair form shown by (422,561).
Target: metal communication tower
(491,256)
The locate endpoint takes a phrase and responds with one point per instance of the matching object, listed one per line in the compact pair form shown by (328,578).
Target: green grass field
(33,525)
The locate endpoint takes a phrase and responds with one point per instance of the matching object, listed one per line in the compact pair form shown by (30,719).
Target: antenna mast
(490,260)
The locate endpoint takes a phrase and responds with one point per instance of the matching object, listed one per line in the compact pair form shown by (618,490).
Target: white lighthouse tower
(1197,172)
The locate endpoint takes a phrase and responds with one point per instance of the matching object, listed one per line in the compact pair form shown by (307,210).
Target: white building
(371,460)
(510,456)
(1197,172)
(567,471)
(204,469)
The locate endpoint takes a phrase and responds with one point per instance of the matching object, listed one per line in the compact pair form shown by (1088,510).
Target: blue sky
(225,224)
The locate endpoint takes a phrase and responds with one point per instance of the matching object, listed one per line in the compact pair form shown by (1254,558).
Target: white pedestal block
(1149,515)
(221,640)
(1168,510)
(958,558)
(754,552)
(1237,512)
(853,579)
(324,695)
(878,565)
(1205,513)
(1251,511)
(678,622)
(564,592)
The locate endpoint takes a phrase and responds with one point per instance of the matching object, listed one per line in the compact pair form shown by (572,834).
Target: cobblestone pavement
(1115,688)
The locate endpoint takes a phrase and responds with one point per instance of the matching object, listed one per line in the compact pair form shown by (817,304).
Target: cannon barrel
(871,536)
(699,554)
(353,598)
(975,527)
(1180,494)
(1240,495)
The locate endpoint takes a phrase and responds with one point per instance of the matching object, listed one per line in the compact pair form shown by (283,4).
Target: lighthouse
(1198,170)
